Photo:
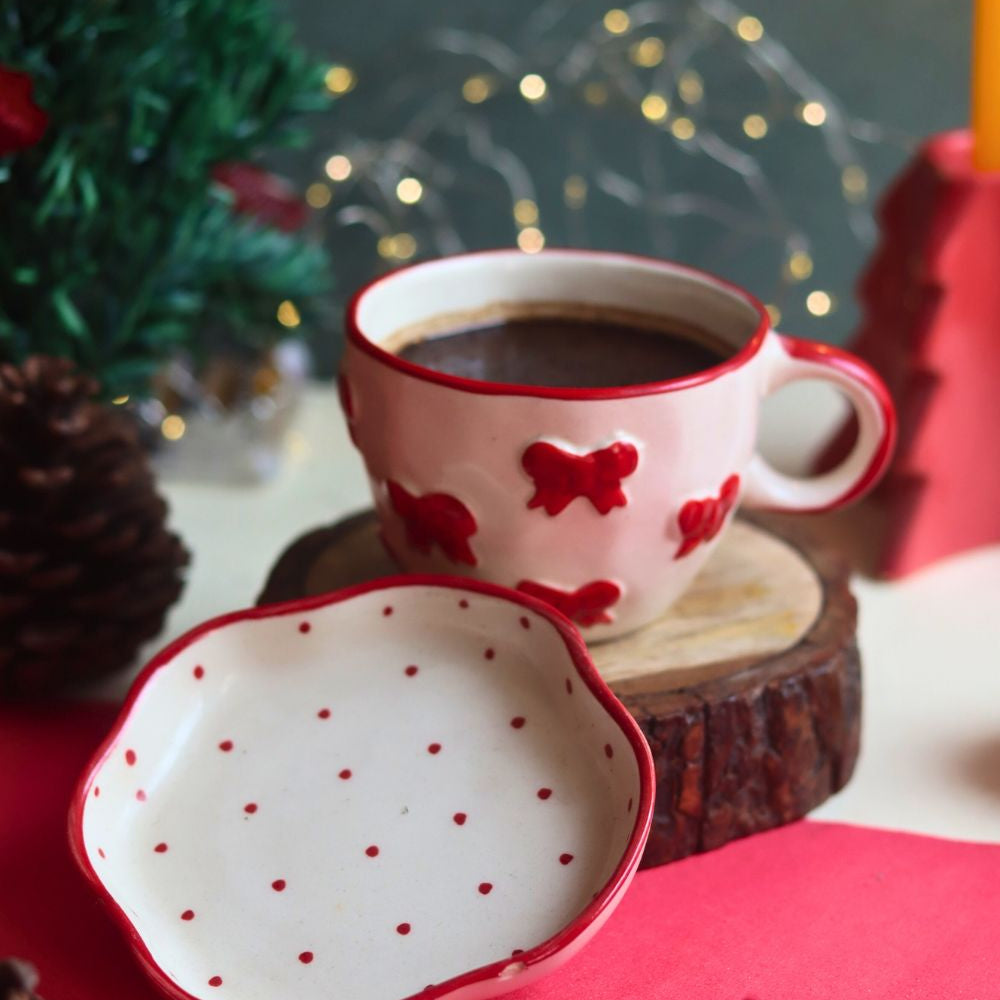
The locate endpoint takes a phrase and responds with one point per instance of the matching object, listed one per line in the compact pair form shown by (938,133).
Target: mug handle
(790,359)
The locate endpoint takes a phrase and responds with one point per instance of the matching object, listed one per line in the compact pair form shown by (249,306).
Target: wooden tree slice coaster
(748,689)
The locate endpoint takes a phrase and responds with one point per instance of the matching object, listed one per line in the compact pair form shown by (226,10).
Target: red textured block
(931,315)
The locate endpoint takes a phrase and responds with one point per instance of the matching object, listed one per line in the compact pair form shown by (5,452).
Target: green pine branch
(117,249)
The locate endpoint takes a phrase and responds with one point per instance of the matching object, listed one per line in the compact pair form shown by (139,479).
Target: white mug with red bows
(605,502)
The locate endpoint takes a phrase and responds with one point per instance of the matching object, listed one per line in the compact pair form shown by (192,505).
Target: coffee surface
(564,353)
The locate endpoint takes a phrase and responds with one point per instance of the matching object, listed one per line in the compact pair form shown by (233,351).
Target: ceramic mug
(603,501)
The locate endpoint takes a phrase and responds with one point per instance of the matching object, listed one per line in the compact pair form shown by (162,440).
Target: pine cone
(87,567)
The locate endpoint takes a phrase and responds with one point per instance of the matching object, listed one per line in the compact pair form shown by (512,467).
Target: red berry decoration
(22,122)
(87,565)
(262,195)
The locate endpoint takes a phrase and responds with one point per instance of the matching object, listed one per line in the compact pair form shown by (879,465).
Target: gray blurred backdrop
(887,72)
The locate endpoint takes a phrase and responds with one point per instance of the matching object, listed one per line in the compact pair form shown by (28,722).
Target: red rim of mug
(357,338)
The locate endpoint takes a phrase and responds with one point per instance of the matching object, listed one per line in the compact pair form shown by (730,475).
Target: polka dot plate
(418,787)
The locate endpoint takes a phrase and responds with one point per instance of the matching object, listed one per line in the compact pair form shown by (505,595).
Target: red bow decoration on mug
(701,520)
(435,519)
(560,476)
(587,605)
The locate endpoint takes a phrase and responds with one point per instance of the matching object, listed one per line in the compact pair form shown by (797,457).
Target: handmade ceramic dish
(414,787)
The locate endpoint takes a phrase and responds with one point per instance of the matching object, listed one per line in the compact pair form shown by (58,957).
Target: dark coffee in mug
(567,352)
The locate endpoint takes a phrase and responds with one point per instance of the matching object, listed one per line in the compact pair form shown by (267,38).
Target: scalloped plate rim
(543,954)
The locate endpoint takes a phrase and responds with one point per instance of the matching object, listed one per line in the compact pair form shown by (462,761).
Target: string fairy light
(646,62)
(318,195)
(755,126)
(173,427)
(338,167)
(288,314)
(340,80)
(819,303)
(533,87)
(654,107)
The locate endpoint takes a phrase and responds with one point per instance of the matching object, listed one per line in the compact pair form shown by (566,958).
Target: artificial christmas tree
(134,224)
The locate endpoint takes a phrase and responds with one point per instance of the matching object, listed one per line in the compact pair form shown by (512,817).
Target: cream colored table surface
(930,644)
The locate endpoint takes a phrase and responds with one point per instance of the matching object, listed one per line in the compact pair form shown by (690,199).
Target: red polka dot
(187,915)
(517,722)
(525,623)
(544,793)
(485,888)
(198,672)
(372,851)
(434,748)
(97,791)
(215,981)
(278,885)
(140,795)
(463,603)
(460,819)
(160,848)
(304,627)
(387,610)
(569,686)
(608,751)
(411,670)
(403,929)
(565,859)
(345,774)
(489,654)
(250,807)
(100,852)
(517,951)
(226,745)
(130,757)
(305,957)
(323,713)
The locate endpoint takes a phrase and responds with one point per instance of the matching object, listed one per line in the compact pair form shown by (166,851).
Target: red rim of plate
(586,671)
(357,338)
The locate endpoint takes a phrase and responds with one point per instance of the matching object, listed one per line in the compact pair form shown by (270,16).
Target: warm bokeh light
(477,89)
(532,87)
(173,427)
(409,190)
(595,93)
(530,239)
(655,107)
(755,126)
(799,265)
(338,168)
(525,212)
(647,53)
(401,246)
(690,87)
(288,315)
(812,113)
(819,303)
(318,195)
(683,128)
(616,21)
(575,191)
(340,79)
(773,313)
(854,181)
(749,29)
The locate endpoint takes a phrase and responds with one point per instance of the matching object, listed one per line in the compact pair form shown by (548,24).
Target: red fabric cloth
(813,911)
